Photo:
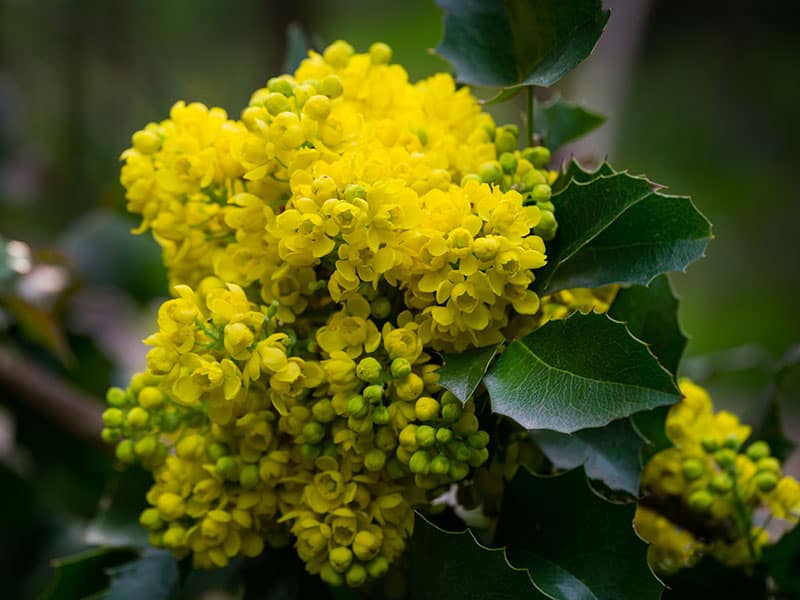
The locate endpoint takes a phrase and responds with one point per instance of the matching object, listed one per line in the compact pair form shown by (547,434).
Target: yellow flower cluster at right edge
(705,494)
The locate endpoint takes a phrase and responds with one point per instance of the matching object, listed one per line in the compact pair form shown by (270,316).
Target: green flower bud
(357,407)
(395,469)
(400,368)
(758,450)
(216,451)
(721,483)
(440,465)
(478,457)
(146,446)
(137,418)
(458,470)
(547,226)
(490,172)
(353,191)
(113,417)
(313,432)
(478,440)
(700,500)
(541,192)
(150,519)
(769,464)
(330,449)
(381,416)
(506,138)
(444,435)
(310,451)
(725,457)
(377,567)
(530,180)
(331,86)
(508,162)
(341,558)
(323,411)
(369,370)
(451,413)
(125,452)
(170,422)
(459,450)
(110,435)
(380,308)
(281,86)
(116,397)
(546,206)
(276,103)
(419,463)
(765,481)
(692,469)
(470,177)
(374,460)
(733,442)
(373,393)
(248,478)
(408,436)
(356,575)
(426,436)
(380,53)
(710,444)
(329,575)
(226,467)
(538,156)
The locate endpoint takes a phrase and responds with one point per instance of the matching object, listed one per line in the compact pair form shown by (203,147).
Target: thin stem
(529,94)
(744,518)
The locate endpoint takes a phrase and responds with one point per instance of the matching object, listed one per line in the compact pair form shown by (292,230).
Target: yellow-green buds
(400,368)
(313,432)
(769,464)
(725,457)
(280,85)
(380,308)
(125,451)
(440,465)
(443,435)
(323,411)
(318,107)
(426,408)
(380,53)
(692,469)
(373,393)
(758,450)
(276,103)
(541,192)
(369,370)
(340,558)
(374,459)
(505,138)
(357,407)
(226,467)
(150,519)
(508,162)
(381,415)
(419,462)
(331,86)
(113,417)
(700,500)
(356,575)
(338,54)
(478,440)
(765,481)
(538,156)
(425,436)
(137,418)
(721,483)
(248,477)
(490,172)
(116,397)
(451,413)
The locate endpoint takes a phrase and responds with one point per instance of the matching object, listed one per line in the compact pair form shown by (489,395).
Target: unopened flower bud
(137,418)
(356,575)
(440,465)
(313,432)
(758,450)
(538,156)
(381,415)
(692,469)
(490,172)
(125,452)
(116,397)
(331,86)
(426,436)
(426,408)
(280,85)
(373,393)
(478,439)
(419,463)
(541,192)
(770,464)
(765,481)
(725,457)
(248,477)
(721,483)
(369,370)
(700,500)
(356,407)
(380,53)
(226,467)
(374,459)
(400,368)
(340,558)
(443,435)
(508,162)
(451,413)
(113,417)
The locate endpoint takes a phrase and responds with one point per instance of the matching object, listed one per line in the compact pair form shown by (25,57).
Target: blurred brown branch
(75,411)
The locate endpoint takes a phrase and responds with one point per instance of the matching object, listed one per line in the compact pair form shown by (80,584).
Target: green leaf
(462,372)
(620,229)
(651,314)
(154,576)
(560,121)
(783,562)
(610,454)
(710,579)
(584,371)
(651,426)
(297,47)
(784,388)
(84,574)
(575,172)
(117,520)
(575,545)
(446,565)
(39,326)
(518,42)
(6,272)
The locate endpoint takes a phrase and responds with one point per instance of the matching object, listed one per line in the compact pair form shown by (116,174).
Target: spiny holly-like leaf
(573,171)
(610,454)
(462,372)
(584,371)
(651,314)
(560,121)
(446,565)
(153,576)
(574,544)
(620,229)
(518,42)
(84,574)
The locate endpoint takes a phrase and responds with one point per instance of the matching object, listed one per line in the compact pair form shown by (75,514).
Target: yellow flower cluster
(318,248)
(701,495)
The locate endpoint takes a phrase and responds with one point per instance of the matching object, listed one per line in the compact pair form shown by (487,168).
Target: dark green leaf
(651,314)
(620,229)
(610,454)
(783,562)
(784,389)
(153,576)
(5,264)
(575,172)
(710,579)
(560,121)
(39,326)
(518,42)
(462,372)
(117,520)
(584,371)
(575,544)
(446,565)
(650,425)
(297,47)
(84,574)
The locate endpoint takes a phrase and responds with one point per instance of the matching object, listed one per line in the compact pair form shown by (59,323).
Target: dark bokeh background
(701,96)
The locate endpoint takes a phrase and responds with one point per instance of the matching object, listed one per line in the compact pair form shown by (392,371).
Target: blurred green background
(700,96)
